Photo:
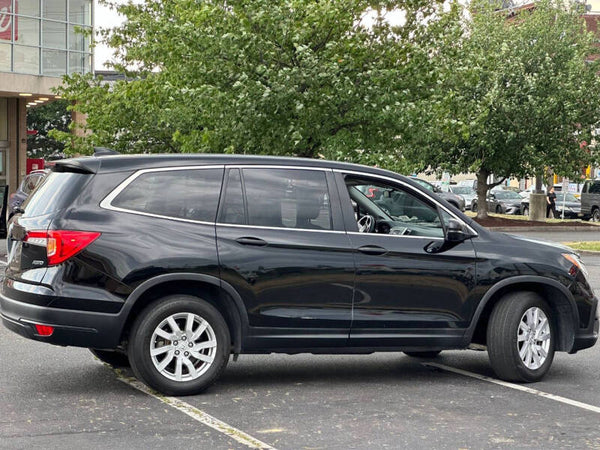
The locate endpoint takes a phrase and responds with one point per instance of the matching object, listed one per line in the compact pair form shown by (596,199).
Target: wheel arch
(564,311)
(217,292)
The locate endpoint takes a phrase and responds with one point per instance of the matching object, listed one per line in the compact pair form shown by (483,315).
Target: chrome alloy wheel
(183,346)
(533,338)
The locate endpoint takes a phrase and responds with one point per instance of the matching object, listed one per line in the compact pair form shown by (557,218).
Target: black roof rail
(103,151)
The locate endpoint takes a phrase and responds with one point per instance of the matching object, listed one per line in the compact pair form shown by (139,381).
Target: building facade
(40,41)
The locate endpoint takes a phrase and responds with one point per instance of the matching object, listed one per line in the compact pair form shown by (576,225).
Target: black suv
(172,263)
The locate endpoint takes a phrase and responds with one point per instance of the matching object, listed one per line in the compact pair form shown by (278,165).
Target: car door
(411,286)
(283,248)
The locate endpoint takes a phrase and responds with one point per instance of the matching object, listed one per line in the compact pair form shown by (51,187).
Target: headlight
(576,261)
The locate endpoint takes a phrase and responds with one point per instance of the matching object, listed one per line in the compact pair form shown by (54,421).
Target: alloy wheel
(183,346)
(533,338)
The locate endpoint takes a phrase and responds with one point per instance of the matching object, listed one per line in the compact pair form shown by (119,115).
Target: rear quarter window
(182,194)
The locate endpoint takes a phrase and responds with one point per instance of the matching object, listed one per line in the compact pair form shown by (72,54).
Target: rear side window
(594,188)
(183,194)
(287,198)
(57,191)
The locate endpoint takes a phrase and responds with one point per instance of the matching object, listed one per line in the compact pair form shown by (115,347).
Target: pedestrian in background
(551,200)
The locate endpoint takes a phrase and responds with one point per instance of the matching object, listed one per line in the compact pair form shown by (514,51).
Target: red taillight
(61,244)
(44,330)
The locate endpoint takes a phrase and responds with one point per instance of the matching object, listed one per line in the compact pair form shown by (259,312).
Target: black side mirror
(491,196)
(455,231)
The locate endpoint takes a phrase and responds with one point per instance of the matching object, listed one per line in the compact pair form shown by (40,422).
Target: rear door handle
(372,250)
(257,242)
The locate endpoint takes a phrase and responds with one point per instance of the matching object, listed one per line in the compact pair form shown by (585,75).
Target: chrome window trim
(106,203)
(262,227)
(278,166)
(403,183)
(429,238)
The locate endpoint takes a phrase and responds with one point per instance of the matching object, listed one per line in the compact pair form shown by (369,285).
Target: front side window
(285,198)
(394,210)
(183,194)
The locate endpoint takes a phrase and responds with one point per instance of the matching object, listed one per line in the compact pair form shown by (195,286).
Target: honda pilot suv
(171,263)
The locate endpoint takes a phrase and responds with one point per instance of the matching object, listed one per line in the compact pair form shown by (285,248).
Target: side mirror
(455,232)
(491,196)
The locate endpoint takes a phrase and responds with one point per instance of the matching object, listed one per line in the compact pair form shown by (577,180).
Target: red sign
(6,20)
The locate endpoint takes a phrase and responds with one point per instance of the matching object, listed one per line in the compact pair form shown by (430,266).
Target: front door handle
(372,250)
(257,242)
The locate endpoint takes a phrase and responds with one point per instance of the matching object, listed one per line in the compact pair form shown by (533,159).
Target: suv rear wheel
(179,345)
(520,337)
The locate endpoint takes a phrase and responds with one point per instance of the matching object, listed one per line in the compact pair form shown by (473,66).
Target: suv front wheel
(520,337)
(179,345)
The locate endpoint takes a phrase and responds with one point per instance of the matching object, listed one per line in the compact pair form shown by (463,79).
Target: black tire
(595,215)
(428,355)
(498,209)
(140,341)
(474,207)
(526,211)
(114,358)
(502,341)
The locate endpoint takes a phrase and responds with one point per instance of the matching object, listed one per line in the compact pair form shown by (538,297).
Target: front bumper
(586,338)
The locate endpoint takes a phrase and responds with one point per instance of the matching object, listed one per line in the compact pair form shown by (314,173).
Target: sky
(104,18)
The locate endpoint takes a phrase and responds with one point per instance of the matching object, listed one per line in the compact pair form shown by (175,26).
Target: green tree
(290,77)
(44,119)
(513,95)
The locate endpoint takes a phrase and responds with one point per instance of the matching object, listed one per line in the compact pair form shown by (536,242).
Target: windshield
(568,197)
(55,192)
(505,195)
(463,190)
(424,184)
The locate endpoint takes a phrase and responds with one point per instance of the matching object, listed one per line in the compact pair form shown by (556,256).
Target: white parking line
(198,415)
(517,387)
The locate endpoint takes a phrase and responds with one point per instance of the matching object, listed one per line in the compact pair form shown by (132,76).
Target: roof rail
(103,151)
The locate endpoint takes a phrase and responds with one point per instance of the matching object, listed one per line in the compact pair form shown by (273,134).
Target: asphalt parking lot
(57,397)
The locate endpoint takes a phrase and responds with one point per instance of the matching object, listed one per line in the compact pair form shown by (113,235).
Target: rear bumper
(76,328)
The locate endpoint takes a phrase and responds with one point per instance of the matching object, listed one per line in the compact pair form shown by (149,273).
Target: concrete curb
(559,228)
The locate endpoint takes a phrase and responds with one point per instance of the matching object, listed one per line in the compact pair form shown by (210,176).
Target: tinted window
(287,198)
(594,188)
(185,194)
(232,210)
(56,191)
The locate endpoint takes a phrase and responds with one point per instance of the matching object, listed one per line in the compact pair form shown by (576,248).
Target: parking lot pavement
(562,236)
(61,397)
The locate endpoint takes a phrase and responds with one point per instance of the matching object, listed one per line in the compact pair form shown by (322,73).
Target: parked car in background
(172,263)
(455,200)
(501,201)
(466,192)
(590,200)
(566,201)
(29,183)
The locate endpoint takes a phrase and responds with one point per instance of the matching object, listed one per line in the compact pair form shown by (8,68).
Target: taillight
(61,244)
(44,330)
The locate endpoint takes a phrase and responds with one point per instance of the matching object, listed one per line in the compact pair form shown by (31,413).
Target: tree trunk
(482,187)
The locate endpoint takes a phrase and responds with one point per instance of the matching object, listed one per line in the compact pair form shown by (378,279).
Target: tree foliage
(44,119)
(514,94)
(291,77)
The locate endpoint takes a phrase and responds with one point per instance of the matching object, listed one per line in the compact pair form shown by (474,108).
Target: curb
(559,228)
